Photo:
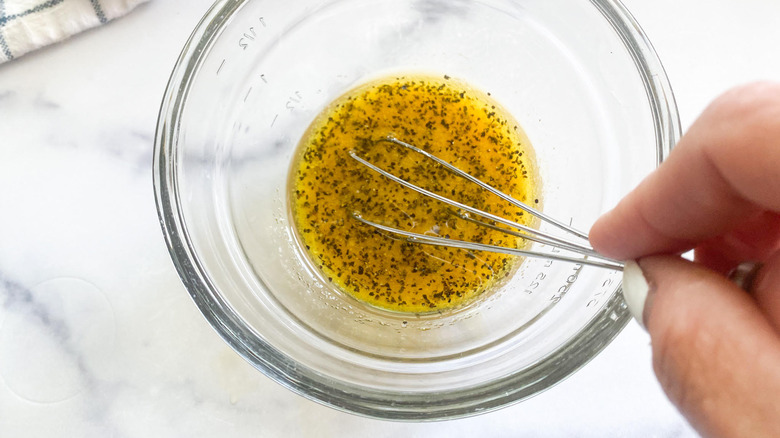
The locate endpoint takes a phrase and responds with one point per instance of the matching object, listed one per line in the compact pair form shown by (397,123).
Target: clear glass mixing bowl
(579,76)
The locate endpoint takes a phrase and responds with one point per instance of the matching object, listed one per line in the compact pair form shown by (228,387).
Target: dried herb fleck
(446,117)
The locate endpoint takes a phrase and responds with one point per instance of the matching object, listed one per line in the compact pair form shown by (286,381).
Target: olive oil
(443,116)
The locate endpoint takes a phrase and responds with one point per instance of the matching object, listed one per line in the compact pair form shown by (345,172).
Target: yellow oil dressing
(443,116)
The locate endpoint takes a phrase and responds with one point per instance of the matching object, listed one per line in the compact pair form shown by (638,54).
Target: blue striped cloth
(26,25)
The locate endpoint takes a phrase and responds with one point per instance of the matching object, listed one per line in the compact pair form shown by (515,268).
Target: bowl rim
(348,397)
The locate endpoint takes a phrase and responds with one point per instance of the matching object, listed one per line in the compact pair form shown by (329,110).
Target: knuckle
(744,124)
(668,367)
(682,348)
(756,106)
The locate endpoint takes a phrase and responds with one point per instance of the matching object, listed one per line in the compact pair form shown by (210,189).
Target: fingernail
(635,291)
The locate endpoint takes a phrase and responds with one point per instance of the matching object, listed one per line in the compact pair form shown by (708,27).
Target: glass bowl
(579,76)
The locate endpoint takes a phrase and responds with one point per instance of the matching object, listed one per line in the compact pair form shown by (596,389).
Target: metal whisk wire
(588,256)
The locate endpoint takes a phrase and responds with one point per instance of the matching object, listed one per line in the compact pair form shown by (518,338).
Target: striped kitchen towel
(26,25)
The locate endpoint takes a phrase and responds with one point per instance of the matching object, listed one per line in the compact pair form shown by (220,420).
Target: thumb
(714,352)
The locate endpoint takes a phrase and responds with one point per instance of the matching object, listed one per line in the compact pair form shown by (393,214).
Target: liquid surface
(440,115)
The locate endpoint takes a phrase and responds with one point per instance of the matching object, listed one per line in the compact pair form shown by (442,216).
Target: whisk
(575,241)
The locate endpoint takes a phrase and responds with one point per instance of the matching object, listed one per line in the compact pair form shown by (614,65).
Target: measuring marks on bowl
(244,41)
(547,282)
(268,96)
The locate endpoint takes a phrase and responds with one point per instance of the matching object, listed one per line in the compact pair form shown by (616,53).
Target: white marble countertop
(98,337)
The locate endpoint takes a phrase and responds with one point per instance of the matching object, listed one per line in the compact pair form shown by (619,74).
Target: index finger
(724,171)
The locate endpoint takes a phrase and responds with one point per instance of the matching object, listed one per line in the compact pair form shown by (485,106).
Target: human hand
(716,348)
